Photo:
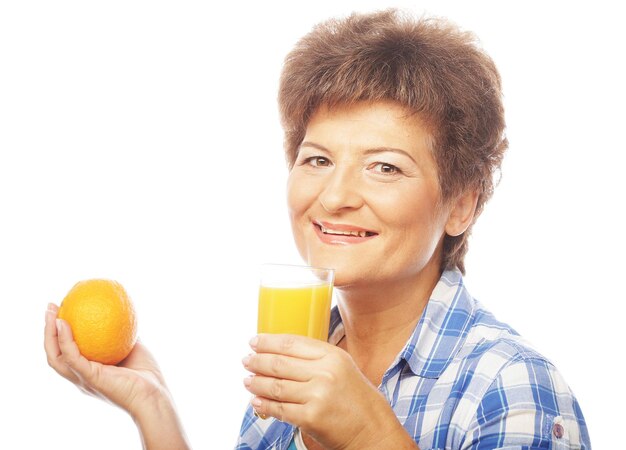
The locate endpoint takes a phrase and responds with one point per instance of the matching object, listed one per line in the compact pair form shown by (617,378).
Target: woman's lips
(341,233)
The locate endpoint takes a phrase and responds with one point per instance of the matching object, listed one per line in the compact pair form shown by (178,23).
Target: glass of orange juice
(295,300)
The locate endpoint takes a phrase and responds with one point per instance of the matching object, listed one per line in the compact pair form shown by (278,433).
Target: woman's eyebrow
(370,151)
(314,145)
(376,150)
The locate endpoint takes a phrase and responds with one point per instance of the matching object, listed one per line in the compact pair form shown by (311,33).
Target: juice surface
(301,310)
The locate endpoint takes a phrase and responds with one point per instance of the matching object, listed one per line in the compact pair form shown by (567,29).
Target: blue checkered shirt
(464,380)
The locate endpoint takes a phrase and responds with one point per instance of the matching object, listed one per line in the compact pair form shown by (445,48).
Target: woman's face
(363,194)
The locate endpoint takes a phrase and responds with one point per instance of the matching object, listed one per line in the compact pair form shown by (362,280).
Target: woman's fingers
(82,368)
(289,345)
(50,342)
(295,378)
(278,366)
(280,390)
(51,345)
(285,412)
(62,352)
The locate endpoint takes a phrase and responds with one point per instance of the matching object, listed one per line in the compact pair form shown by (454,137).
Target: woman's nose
(341,191)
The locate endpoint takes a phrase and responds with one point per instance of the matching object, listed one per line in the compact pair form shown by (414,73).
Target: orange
(102,319)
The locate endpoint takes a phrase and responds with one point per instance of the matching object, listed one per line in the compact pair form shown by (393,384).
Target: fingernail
(246,361)
(51,311)
(253,342)
(256,401)
(247,381)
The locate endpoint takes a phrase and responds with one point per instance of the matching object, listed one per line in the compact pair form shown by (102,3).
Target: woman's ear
(462,213)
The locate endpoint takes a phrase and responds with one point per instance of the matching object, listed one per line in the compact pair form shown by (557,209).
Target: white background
(139,141)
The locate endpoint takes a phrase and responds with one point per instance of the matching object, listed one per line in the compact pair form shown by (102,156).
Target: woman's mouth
(342,234)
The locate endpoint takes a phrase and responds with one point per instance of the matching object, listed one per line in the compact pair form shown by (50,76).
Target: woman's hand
(136,380)
(135,385)
(318,387)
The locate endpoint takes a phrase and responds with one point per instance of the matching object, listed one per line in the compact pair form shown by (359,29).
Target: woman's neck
(378,319)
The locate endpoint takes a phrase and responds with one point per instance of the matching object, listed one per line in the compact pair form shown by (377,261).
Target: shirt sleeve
(528,406)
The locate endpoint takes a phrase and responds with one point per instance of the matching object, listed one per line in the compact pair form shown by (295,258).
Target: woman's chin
(347,281)
(347,274)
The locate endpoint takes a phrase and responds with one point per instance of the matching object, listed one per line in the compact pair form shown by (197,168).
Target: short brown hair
(427,65)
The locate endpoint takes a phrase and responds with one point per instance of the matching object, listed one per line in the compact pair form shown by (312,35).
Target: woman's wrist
(159,425)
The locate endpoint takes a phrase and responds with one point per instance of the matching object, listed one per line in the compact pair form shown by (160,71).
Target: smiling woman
(368,169)
(394,132)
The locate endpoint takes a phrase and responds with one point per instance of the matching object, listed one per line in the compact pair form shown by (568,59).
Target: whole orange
(102,318)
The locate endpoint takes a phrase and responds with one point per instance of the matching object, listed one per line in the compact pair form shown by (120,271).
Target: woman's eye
(317,161)
(387,169)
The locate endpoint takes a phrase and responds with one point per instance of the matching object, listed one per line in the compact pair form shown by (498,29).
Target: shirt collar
(440,332)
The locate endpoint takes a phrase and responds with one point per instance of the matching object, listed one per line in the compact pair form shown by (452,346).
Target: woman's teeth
(346,233)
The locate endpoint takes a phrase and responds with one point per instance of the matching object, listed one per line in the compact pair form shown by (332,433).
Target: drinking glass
(295,300)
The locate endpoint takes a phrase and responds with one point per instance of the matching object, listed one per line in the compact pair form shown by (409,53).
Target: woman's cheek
(300,193)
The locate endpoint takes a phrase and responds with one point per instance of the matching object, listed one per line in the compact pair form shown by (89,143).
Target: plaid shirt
(463,381)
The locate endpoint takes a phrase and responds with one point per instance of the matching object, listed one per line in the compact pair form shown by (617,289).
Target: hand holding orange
(102,318)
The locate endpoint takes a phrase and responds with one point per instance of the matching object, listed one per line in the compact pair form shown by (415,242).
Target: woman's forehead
(370,124)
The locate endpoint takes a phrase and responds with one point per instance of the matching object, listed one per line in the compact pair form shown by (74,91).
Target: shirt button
(558,430)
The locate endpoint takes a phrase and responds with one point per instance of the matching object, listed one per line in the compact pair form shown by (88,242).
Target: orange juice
(295,310)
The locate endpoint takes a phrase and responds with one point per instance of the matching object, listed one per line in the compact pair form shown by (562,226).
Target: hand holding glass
(295,300)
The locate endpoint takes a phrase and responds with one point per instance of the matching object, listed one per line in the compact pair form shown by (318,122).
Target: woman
(394,129)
